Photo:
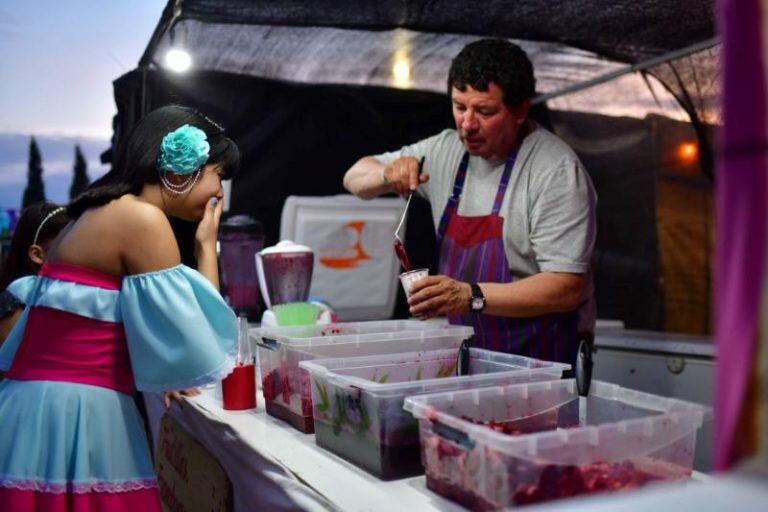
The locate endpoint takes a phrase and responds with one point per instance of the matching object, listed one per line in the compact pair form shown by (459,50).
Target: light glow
(688,152)
(402,73)
(178,60)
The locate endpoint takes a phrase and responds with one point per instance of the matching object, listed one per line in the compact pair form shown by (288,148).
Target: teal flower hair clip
(183,151)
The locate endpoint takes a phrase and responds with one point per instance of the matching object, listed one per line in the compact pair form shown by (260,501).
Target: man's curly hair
(494,60)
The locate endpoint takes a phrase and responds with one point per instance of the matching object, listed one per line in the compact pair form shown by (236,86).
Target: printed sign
(189,478)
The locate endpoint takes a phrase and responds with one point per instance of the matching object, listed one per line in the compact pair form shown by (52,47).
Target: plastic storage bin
(286,389)
(541,441)
(358,401)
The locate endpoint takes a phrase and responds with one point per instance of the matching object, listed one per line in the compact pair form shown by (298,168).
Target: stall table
(274,467)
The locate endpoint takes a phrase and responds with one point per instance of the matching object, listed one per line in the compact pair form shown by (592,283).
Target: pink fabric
(82,275)
(144,500)
(62,346)
(741,215)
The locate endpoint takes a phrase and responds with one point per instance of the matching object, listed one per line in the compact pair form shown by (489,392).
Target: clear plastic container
(358,401)
(286,389)
(526,443)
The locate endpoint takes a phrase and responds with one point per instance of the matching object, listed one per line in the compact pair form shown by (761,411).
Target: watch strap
(477,293)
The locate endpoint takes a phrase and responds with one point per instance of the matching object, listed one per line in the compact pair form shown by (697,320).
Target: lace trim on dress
(215,375)
(81,487)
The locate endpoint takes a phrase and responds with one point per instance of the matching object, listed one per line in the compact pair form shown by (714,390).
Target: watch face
(477,303)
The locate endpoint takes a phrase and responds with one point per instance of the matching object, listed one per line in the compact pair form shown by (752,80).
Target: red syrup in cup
(239,388)
(402,256)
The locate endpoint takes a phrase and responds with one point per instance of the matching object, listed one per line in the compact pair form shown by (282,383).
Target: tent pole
(169,17)
(143,90)
(171,14)
(640,66)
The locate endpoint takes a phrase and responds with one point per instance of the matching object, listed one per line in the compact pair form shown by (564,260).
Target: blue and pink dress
(71,437)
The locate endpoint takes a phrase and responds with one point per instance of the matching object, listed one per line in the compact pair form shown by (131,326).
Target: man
(513,206)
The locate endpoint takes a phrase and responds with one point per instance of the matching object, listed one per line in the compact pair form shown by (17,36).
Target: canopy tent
(571,43)
(307,87)
(629,31)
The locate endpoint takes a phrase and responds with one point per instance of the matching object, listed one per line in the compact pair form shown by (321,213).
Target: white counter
(274,467)
(259,451)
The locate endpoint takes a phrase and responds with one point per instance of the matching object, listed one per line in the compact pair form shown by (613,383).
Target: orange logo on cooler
(339,254)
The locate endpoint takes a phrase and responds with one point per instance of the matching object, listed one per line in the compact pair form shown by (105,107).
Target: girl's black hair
(136,161)
(18,264)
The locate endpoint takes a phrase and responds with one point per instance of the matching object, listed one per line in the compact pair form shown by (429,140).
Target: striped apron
(471,249)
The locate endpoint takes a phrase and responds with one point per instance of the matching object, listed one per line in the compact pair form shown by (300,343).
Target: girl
(37,227)
(113,309)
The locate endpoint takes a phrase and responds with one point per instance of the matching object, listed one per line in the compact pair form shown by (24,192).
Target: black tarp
(624,30)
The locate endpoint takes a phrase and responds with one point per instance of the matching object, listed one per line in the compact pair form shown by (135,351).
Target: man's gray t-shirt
(548,208)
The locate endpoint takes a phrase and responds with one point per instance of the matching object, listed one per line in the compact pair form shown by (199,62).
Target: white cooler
(355,264)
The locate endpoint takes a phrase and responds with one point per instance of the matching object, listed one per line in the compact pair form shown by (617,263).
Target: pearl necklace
(181,188)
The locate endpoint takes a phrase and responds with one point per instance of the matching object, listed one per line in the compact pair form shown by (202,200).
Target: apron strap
(510,164)
(452,206)
(453,202)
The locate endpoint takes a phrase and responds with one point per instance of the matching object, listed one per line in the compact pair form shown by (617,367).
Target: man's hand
(438,296)
(403,176)
(176,396)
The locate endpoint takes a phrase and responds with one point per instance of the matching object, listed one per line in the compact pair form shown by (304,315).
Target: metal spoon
(399,247)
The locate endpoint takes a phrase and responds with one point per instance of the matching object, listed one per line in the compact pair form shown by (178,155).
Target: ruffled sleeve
(180,331)
(23,290)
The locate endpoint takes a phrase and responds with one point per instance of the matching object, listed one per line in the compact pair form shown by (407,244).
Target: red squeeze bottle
(239,388)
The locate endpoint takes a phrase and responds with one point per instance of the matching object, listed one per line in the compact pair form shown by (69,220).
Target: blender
(285,275)
(241,237)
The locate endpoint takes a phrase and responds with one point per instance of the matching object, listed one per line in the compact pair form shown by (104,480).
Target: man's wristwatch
(477,300)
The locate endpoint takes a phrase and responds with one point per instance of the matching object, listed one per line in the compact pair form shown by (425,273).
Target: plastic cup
(239,388)
(408,278)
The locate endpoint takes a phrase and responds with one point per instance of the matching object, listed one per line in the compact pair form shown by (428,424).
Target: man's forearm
(540,294)
(364,179)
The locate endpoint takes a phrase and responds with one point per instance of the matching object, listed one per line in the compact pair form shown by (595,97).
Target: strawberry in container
(286,386)
(503,446)
(358,401)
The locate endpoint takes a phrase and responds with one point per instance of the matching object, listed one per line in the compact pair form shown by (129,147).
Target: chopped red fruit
(306,406)
(271,385)
(447,449)
(286,382)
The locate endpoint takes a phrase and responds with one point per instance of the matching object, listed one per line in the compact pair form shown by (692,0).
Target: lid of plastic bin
(305,337)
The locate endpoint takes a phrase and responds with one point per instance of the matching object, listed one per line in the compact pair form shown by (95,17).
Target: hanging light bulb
(178,58)
(401,70)
(401,60)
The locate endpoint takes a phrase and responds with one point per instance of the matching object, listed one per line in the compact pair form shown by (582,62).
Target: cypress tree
(80,179)
(35,191)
